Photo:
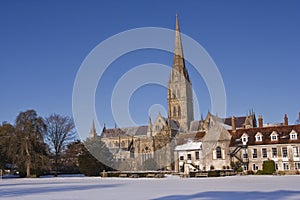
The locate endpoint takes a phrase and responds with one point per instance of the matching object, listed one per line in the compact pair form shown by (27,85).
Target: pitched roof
(189,146)
(184,137)
(282,131)
(239,121)
(129,131)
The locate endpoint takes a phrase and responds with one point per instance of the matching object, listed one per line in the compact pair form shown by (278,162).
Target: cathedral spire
(180,94)
(93,131)
(179,64)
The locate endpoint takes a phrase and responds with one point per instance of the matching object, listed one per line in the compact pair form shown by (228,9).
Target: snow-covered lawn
(170,188)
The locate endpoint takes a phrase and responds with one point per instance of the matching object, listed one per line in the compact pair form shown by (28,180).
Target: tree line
(35,146)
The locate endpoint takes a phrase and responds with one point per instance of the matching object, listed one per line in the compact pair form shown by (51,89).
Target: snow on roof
(226,126)
(189,146)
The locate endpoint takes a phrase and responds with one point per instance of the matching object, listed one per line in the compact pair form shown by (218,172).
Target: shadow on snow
(14,192)
(226,195)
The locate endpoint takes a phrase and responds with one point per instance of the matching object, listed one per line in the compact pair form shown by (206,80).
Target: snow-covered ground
(170,188)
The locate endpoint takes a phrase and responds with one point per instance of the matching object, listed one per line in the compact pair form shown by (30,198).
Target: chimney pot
(233,123)
(286,120)
(260,121)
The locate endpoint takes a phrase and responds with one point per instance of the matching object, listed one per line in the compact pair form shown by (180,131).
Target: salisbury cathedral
(178,142)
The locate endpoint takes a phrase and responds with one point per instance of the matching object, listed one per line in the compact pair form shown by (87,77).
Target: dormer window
(258,137)
(244,138)
(293,135)
(274,136)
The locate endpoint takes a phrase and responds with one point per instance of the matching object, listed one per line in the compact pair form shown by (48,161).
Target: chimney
(233,123)
(260,121)
(286,120)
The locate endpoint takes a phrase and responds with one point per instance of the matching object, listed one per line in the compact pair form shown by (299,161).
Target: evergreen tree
(95,158)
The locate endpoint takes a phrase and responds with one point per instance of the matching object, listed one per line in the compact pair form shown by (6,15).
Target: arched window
(179,111)
(174,111)
(219,152)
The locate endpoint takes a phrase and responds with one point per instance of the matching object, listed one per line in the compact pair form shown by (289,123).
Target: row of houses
(247,146)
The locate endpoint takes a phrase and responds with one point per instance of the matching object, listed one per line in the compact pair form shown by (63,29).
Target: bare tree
(59,133)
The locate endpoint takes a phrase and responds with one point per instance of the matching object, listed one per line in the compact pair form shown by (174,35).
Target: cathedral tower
(180,95)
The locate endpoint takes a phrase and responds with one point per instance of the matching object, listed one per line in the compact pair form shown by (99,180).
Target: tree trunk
(56,167)
(28,159)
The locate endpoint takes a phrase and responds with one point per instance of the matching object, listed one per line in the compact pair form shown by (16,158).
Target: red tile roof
(282,131)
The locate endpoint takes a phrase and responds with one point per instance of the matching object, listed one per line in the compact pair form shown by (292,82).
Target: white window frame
(254,153)
(284,152)
(245,138)
(286,166)
(262,152)
(273,155)
(293,135)
(297,165)
(254,167)
(258,137)
(274,136)
(296,152)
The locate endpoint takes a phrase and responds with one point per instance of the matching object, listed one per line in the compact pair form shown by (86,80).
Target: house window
(293,136)
(244,138)
(276,166)
(255,166)
(219,152)
(189,156)
(245,154)
(254,153)
(258,137)
(274,152)
(264,153)
(284,152)
(274,136)
(297,165)
(181,158)
(296,151)
(286,166)
(197,155)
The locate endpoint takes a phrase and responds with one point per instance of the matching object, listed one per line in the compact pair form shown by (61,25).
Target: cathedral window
(179,111)
(174,111)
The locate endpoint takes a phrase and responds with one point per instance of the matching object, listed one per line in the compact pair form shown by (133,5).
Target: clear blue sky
(255,44)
